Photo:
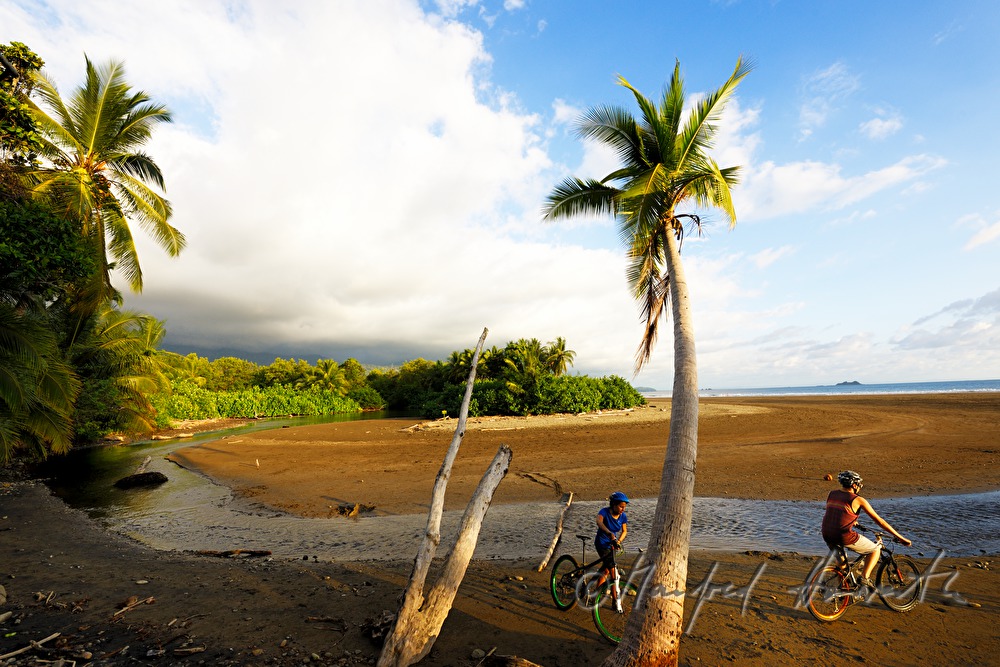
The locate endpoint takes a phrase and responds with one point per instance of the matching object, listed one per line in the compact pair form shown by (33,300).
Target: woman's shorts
(862,546)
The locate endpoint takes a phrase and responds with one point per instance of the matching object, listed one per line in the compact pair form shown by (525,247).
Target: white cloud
(771,190)
(985,232)
(880,128)
(971,324)
(824,91)
(769,256)
(565,113)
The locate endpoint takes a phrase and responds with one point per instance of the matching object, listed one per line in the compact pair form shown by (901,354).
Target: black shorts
(608,556)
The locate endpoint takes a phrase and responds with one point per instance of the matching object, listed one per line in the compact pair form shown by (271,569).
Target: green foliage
(41,254)
(19,138)
(189,401)
(230,374)
(94,170)
(523,378)
(548,394)
(282,372)
(114,354)
(37,388)
(367,398)
(354,373)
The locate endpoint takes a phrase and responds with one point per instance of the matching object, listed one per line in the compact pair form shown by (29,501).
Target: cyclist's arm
(880,521)
(601,528)
(621,538)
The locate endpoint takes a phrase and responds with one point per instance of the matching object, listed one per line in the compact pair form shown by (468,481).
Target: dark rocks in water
(141,479)
(851,382)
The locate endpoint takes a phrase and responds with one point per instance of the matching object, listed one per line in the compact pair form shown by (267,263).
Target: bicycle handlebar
(861,528)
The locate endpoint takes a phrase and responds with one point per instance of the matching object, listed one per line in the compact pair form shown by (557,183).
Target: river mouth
(190,512)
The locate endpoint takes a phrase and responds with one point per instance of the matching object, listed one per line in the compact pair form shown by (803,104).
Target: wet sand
(63,573)
(759,448)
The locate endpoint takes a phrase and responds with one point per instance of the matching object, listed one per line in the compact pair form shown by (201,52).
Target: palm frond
(48,92)
(139,166)
(699,131)
(151,211)
(664,163)
(616,128)
(121,247)
(576,197)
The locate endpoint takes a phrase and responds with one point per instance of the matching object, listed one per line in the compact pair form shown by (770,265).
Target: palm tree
(114,354)
(37,389)
(327,375)
(96,173)
(664,165)
(557,358)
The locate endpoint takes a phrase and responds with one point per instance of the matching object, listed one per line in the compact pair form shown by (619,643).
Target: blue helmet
(619,497)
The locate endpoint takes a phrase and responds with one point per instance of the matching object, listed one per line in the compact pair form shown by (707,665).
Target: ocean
(846,389)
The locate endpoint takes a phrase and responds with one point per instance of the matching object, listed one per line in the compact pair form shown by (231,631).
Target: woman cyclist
(842,509)
(612,527)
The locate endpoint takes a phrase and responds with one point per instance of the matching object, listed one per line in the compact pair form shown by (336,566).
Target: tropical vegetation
(73,364)
(664,165)
(514,380)
(76,366)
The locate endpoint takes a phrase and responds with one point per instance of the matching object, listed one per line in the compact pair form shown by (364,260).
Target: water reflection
(85,478)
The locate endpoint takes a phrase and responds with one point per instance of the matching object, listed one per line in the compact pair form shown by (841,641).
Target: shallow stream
(191,513)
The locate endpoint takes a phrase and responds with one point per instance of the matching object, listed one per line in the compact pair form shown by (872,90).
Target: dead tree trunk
(420,618)
(558,535)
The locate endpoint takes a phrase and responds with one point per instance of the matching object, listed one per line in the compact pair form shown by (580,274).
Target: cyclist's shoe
(865,582)
(618,607)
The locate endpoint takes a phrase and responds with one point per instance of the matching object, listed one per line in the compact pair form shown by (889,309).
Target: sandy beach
(759,448)
(63,573)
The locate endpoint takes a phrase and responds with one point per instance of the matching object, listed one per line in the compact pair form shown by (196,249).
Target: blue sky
(365,178)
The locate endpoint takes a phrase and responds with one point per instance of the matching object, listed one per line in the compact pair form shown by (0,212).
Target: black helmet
(849,478)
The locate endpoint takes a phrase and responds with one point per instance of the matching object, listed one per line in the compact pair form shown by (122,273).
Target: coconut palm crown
(664,164)
(95,170)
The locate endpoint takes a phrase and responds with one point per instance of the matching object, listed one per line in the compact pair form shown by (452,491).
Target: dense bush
(367,398)
(189,401)
(563,394)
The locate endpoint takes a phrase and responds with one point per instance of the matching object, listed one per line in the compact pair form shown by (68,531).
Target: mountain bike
(570,583)
(836,586)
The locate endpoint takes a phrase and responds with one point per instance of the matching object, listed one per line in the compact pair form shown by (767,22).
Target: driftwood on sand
(558,535)
(420,617)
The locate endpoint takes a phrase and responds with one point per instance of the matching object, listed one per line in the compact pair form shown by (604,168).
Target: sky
(365,178)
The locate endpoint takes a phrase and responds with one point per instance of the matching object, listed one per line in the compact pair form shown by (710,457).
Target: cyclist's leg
(607,569)
(870,549)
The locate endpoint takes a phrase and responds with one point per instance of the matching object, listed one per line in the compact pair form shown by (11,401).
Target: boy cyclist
(612,527)
(843,507)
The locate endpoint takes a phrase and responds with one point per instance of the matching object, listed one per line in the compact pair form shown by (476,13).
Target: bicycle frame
(832,588)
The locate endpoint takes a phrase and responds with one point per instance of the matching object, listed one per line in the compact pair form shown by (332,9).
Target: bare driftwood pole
(559,530)
(420,618)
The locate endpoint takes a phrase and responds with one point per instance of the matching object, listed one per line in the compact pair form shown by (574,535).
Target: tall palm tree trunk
(655,626)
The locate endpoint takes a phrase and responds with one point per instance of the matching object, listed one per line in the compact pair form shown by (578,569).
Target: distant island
(642,389)
(843,384)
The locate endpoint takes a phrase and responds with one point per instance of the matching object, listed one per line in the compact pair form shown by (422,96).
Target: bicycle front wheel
(565,573)
(610,623)
(899,583)
(828,598)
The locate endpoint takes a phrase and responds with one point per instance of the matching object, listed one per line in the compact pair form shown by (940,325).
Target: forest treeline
(522,378)
(75,366)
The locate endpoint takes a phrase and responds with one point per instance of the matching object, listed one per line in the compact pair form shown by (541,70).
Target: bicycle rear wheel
(899,583)
(565,573)
(610,623)
(828,598)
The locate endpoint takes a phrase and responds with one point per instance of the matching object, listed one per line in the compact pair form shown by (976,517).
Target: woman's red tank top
(838,522)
